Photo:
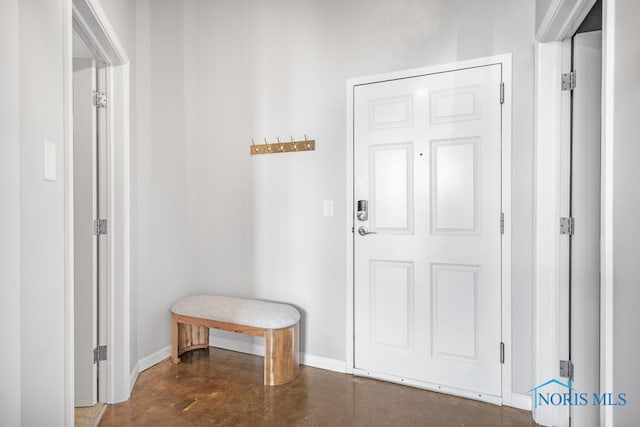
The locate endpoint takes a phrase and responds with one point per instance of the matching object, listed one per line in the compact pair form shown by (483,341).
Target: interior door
(85,242)
(585,208)
(427,262)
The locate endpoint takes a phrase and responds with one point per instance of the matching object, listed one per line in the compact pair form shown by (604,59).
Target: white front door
(427,289)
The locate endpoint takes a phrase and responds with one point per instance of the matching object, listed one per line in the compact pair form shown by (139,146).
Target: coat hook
(308,144)
(267,145)
(281,145)
(295,146)
(253,145)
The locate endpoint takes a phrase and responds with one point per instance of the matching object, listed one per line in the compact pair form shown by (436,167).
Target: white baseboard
(147,362)
(323,362)
(521,401)
(134,376)
(237,345)
(258,350)
(154,359)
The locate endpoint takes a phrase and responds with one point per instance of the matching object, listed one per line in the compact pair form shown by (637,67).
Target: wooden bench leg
(281,358)
(175,359)
(186,337)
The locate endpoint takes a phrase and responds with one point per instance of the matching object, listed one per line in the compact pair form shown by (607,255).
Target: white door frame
(90,20)
(505,61)
(559,23)
(551,201)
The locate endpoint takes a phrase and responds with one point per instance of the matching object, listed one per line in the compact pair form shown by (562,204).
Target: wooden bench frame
(281,354)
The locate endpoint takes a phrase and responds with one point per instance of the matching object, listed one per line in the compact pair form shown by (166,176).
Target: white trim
(321,362)
(349,230)
(521,401)
(90,20)
(562,19)
(507,108)
(496,400)
(67,86)
(134,376)
(92,24)
(606,260)
(506,62)
(153,359)
(547,199)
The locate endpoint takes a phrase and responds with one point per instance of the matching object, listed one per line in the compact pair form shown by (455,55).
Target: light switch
(49,171)
(328,208)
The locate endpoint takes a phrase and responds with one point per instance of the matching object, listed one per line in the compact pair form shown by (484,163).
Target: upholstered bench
(192,317)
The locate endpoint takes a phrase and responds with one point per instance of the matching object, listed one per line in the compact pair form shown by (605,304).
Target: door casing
(506,61)
(90,20)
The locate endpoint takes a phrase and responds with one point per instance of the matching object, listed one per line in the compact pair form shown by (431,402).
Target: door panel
(454,310)
(391,188)
(454,186)
(392,303)
(585,208)
(84,211)
(427,157)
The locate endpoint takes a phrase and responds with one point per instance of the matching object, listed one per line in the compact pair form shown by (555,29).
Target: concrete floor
(219,387)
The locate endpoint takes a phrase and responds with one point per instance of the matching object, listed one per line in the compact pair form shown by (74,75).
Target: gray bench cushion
(241,311)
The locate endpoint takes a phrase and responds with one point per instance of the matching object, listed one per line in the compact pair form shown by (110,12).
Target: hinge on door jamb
(569,81)
(566,369)
(502,353)
(99,353)
(567,225)
(99,227)
(99,99)
(501,223)
(501,92)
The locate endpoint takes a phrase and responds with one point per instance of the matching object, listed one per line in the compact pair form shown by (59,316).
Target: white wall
(10,386)
(625,70)
(279,69)
(41,212)
(163,171)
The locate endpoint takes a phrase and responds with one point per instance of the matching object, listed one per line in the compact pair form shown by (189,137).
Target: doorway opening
(569,210)
(89,210)
(105,195)
(584,212)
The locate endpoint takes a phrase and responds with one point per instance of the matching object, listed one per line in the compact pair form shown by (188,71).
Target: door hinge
(99,99)
(569,81)
(501,223)
(567,225)
(566,369)
(502,93)
(99,353)
(99,227)
(502,353)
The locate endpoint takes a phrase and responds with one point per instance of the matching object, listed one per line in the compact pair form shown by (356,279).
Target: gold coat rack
(282,147)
